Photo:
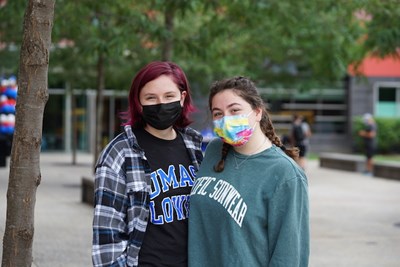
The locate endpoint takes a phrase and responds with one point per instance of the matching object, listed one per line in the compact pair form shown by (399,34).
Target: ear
(183,95)
(258,112)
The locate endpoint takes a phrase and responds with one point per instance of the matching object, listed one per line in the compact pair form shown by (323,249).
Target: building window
(388,104)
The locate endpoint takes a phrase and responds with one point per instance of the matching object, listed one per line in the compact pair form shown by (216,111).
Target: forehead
(161,85)
(226,99)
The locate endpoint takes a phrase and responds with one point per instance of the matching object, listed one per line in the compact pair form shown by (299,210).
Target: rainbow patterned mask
(234,130)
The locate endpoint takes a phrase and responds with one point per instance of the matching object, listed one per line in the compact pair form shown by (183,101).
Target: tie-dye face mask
(234,130)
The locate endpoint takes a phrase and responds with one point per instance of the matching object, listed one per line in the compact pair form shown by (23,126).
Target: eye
(170,96)
(217,115)
(235,111)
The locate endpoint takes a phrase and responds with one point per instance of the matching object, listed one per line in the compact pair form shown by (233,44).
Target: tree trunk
(168,45)
(99,106)
(25,155)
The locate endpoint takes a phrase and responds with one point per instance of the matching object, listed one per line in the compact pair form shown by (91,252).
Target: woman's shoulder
(287,168)
(124,139)
(215,143)
(191,133)
(118,146)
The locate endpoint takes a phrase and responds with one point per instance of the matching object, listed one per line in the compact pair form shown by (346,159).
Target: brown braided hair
(247,90)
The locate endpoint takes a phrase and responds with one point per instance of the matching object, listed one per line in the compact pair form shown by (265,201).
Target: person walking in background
(144,176)
(300,134)
(249,204)
(369,136)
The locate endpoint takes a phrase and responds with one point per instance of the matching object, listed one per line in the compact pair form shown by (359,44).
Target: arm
(109,236)
(307,131)
(193,141)
(368,132)
(288,225)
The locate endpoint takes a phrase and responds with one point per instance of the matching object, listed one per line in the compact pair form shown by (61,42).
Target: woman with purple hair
(144,176)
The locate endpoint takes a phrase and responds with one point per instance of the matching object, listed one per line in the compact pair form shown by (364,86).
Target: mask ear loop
(254,126)
(248,114)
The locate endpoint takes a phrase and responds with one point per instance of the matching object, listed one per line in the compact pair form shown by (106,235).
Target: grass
(380,157)
(394,157)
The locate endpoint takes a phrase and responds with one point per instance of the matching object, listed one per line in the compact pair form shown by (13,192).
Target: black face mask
(162,116)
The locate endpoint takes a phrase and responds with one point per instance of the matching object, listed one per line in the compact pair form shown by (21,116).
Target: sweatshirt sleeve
(288,225)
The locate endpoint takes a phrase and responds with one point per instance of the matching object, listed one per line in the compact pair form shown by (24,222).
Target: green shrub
(388,134)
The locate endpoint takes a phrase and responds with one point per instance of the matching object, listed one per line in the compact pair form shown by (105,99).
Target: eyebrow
(229,106)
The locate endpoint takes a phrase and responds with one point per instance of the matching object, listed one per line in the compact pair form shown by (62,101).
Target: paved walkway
(355,219)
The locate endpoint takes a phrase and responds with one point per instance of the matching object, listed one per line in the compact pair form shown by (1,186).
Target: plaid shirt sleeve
(121,210)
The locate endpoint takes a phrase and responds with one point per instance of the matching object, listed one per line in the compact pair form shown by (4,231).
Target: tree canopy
(277,43)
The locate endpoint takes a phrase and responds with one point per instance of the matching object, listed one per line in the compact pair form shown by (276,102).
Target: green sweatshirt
(254,215)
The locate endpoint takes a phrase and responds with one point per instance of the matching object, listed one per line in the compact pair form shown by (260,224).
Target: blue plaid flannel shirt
(122,188)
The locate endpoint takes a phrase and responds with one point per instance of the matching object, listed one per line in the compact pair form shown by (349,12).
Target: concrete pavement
(355,219)
(62,223)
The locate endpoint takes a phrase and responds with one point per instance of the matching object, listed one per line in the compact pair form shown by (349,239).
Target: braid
(268,129)
(219,167)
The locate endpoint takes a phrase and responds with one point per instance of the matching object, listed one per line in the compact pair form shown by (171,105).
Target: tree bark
(25,174)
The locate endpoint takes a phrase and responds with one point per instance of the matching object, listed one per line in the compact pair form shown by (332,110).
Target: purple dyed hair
(153,70)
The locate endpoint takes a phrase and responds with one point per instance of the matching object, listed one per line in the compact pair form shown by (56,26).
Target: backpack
(298,133)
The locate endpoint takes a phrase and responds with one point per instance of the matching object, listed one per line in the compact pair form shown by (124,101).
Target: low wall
(390,170)
(357,163)
(346,162)
(87,187)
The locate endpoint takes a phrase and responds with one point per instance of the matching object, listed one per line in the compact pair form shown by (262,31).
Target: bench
(346,162)
(87,186)
(390,170)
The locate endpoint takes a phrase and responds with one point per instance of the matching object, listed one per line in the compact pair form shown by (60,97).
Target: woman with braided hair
(249,202)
